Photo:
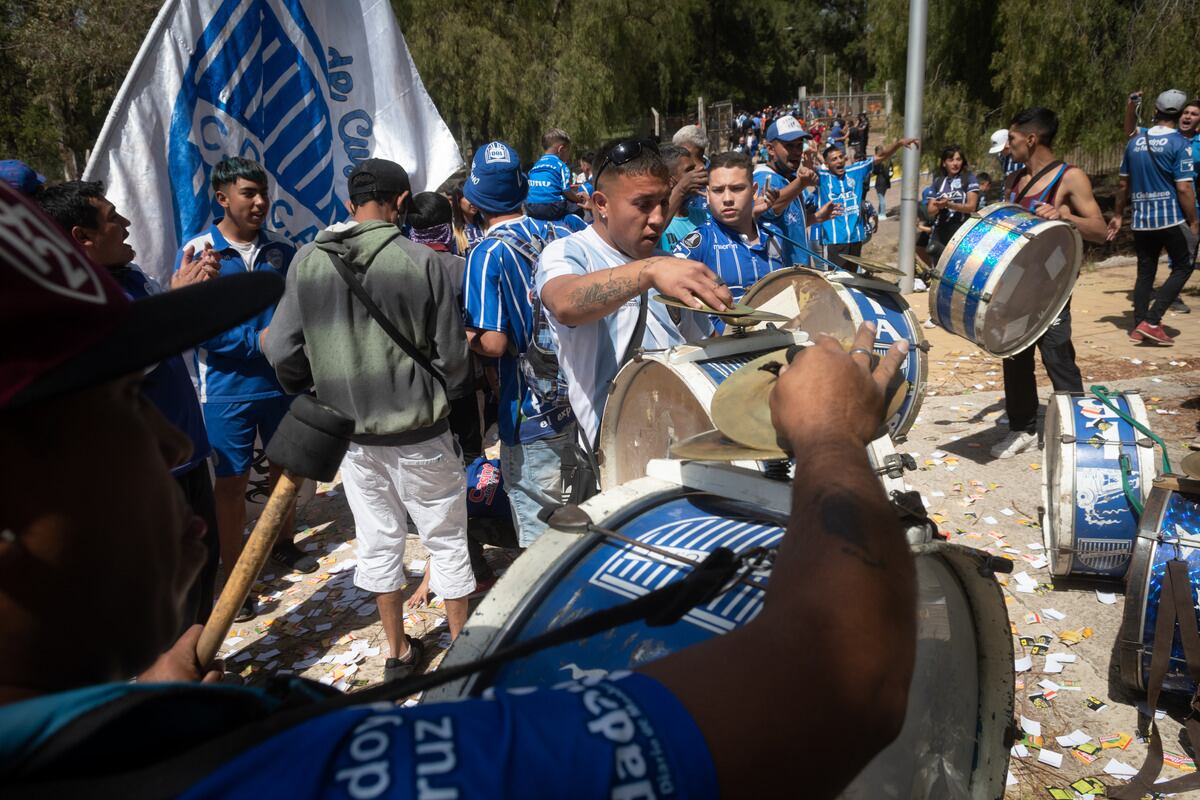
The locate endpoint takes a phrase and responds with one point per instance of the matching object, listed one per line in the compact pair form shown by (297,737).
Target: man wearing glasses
(596,283)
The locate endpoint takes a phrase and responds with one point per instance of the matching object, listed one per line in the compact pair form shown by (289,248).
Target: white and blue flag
(305,87)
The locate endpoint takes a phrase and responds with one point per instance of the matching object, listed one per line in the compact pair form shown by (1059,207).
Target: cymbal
(735,314)
(1191,465)
(713,446)
(741,407)
(873,266)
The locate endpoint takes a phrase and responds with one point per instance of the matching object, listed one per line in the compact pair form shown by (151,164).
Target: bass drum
(1089,527)
(836,303)
(1004,277)
(661,398)
(1170,528)
(961,699)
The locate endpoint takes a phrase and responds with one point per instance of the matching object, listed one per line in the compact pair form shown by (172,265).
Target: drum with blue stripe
(961,696)
(1170,529)
(1089,525)
(661,398)
(1004,277)
(835,304)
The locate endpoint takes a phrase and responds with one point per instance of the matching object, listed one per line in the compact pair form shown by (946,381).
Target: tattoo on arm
(841,518)
(595,296)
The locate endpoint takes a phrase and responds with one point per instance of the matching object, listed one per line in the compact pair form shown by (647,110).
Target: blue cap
(496,183)
(21,177)
(786,129)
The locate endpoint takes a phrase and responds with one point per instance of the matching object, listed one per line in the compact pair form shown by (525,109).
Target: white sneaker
(1014,442)
(919,285)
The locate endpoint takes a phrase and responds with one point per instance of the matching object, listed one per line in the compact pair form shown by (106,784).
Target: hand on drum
(1047,211)
(826,390)
(689,281)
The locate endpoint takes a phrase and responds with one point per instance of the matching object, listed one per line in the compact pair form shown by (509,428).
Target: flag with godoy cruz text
(308,88)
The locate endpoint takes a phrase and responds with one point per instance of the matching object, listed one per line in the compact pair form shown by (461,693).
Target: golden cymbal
(713,446)
(741,407)
(740,313)
(1191,465)
(873,266)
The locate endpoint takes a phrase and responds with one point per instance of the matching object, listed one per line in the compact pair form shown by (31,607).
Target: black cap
(378,175)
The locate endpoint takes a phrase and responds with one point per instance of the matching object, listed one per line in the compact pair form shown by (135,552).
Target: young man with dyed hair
(550,192)
(239,393)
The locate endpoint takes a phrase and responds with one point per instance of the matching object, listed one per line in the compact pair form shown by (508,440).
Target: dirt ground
(321,627)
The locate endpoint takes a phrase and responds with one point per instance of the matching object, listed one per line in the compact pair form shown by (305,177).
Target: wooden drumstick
(309,443)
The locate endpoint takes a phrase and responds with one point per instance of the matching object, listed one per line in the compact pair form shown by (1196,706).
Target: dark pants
(464,424)
(198,491)
(551,212)
(1177,241)
(834,253)
(494,531)
(1020,384)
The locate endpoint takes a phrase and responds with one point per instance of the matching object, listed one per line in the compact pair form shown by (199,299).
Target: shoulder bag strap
(377,314)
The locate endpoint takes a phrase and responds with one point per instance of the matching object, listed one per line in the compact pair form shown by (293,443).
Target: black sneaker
(1180,307)
(290,556)
(395,669)
(248,611)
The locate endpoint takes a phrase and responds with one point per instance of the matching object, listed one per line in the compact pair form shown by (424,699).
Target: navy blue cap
(21,177)
(496,183)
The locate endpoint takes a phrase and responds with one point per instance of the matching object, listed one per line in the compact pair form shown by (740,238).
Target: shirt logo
(496,153)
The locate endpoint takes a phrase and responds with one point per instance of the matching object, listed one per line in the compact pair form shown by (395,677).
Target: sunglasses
(623,152)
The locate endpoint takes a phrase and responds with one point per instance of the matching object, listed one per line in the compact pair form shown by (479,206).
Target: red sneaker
(1154,332)
(1136,337)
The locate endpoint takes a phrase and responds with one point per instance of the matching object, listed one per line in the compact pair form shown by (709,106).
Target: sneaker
(1154,332)
(1013,443)
(929,323)
(919,285)
(288,555)
(395,669)
(248,611)
(1136,337)
(1180,307)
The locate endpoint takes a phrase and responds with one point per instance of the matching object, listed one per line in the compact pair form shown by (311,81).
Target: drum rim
(1060,562)
(1132,633)
(994,278)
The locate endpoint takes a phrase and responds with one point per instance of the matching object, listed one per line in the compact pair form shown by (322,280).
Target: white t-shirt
(247,250)
(589,355)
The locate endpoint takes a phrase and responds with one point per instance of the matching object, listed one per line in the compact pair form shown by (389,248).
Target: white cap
(1171,101)
(999,141)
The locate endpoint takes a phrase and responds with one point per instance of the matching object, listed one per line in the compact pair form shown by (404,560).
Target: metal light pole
(914,93)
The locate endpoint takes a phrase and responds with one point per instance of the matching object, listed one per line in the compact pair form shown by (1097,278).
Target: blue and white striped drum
(1170,529)
(1089,526)
(836,303)
(1004,277)
(661,398)
(961,698)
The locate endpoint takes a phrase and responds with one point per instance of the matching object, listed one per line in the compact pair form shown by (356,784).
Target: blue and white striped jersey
(1155,160)
(727,253)
(230,367)
(497,291)
(793,221)
(847,191)
(548,178)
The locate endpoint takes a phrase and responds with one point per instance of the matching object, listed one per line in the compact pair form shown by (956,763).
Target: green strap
(1102,394)
(1135,502)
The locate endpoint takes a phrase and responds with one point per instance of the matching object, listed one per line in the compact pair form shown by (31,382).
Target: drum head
(1032,290)
(804,296)
(651,410)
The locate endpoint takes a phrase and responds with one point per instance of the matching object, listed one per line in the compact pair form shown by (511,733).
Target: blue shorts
(233,426)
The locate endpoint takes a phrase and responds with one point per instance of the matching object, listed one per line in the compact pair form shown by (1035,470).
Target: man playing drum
(834,657)
(1052,190)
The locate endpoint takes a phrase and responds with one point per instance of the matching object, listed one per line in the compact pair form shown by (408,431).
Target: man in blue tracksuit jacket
(238,390)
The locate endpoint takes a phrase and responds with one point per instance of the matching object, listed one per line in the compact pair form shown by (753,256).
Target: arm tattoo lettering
(596,296)
(841,518)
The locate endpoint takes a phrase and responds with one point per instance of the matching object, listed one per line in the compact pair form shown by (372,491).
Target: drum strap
(1029,186)
(1178,592)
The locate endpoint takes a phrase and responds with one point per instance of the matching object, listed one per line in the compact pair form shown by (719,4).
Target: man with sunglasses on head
(596,283)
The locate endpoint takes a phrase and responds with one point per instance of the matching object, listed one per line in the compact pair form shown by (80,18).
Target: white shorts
(386,484)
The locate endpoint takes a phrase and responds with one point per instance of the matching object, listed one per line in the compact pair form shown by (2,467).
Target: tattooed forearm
(600,295)
(842,518)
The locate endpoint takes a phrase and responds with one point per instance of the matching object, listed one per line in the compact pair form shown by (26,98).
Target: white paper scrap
(1073,739)
(1020,751)
(1023,664)
(1053,613)
(1031,726)
(1008,512)
(1119,769)
(1050,757)
(1108,598)
(991,520)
